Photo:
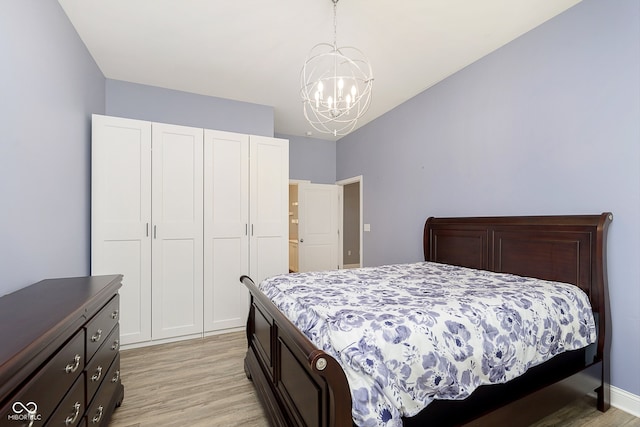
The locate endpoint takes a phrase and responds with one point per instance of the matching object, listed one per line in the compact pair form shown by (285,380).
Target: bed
(300,384)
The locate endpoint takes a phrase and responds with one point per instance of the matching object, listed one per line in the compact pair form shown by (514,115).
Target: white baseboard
(224,331)
(158,342)
(625,401)
(177,339)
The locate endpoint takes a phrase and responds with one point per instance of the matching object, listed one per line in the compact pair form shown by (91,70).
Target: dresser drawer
(69,412)
(98,328)
(49,384)
(99,411)
(99,364)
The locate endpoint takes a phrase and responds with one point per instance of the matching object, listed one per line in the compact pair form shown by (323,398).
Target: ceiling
(253,50)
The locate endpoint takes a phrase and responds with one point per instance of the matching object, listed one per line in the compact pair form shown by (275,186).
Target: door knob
(301,240)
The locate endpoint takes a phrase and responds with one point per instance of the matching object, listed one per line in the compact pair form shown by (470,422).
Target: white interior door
(121,217)
(177,247)
(226,220)
(318,227)
(268,207)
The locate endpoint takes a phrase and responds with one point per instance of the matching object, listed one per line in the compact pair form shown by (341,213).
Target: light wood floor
(189,383)
(202,383)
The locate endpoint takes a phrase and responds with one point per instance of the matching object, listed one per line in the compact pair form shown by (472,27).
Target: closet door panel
(178,290)
(121,216)
(229,302)
(131,259)
(269,178)
(226,228)
(177,230)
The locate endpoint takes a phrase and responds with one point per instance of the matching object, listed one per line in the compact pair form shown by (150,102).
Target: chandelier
(335,85)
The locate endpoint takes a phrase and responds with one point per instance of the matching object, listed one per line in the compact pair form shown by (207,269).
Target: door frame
(356,179)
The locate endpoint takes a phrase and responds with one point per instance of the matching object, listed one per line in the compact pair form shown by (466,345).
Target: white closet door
(318,216)
(226,218)
(121,216)
(177,230)
(269,190)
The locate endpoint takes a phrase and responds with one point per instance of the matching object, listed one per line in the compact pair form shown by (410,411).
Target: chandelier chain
(335,23)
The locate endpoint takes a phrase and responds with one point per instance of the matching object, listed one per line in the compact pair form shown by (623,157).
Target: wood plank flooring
(202,383)
(198,382)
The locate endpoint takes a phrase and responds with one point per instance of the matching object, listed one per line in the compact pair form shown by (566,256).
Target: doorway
(314,226)
(349,223)
(352,256)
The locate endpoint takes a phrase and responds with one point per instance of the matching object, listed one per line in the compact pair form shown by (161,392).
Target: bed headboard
(569,249)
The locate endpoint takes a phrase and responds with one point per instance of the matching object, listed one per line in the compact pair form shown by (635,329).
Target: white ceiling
(253,50)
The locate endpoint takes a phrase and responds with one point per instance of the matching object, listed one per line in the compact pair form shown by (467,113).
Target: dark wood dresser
(59,353)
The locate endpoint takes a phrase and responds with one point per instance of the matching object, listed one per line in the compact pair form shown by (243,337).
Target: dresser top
(46,314)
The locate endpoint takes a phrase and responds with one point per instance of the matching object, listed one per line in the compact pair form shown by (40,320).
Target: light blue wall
(136,101)
(311,159)
(548,124)
(49,86)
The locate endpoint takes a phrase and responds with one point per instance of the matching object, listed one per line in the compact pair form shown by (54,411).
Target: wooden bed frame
(300,385)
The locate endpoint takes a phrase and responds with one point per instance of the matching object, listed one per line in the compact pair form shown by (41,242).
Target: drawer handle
(72,367)
(72,418)
(114,315)
(116,376)
(97,417)
(96,337)
(95,377)
(115,345)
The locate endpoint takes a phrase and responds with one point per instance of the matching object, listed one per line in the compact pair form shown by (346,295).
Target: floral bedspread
(407,334)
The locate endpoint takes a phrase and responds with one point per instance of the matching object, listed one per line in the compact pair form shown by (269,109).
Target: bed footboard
(298,384)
